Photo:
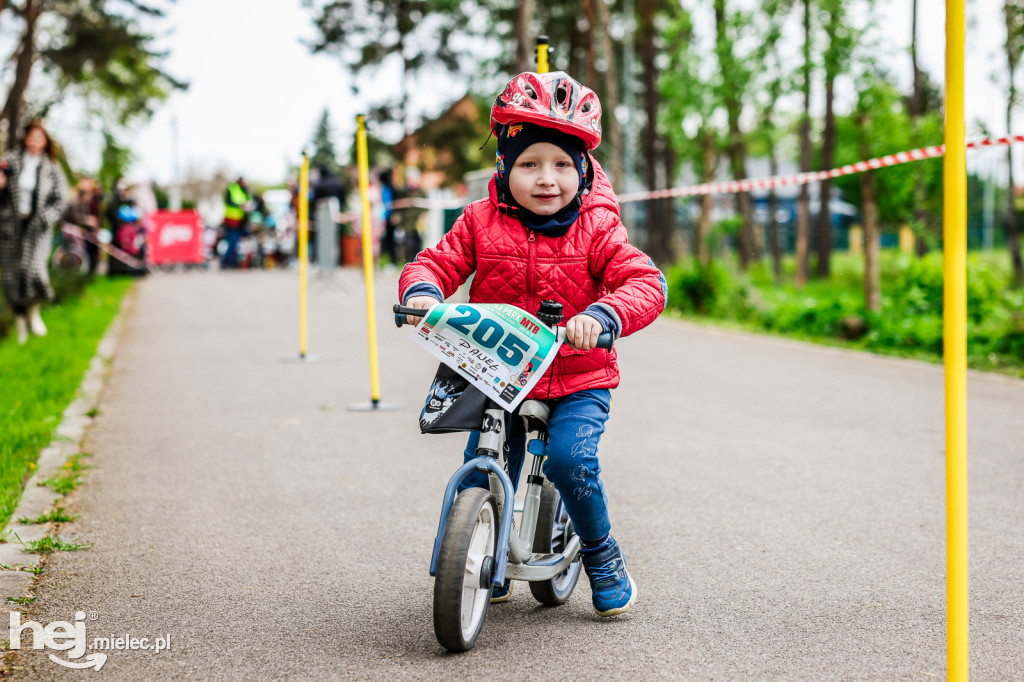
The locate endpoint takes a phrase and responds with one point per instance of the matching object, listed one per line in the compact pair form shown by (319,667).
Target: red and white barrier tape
(114,252)
(748,185)
(733,186)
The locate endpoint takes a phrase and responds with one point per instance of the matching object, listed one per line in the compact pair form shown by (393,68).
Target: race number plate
(500,348)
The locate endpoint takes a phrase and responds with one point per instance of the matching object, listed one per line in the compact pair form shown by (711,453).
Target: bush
(710,289)
(820,313)
(910,320)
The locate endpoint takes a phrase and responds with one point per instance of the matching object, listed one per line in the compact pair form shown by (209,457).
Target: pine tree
(324,153)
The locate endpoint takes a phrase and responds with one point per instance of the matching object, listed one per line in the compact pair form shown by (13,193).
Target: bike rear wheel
(465,565)
(554,530)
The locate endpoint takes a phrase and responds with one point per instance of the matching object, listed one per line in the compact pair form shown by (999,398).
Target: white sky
(256,91)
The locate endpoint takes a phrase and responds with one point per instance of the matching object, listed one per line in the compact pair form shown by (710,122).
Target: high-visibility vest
(239,198)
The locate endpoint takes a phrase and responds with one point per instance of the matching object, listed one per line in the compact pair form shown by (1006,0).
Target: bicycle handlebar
(604,340)
(401,311)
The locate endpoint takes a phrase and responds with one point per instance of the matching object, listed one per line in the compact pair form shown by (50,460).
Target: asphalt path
(781,507)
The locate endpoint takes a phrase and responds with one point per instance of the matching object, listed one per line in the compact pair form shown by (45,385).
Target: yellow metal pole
(954,183)
(303,253)
(364,186)
(542,54)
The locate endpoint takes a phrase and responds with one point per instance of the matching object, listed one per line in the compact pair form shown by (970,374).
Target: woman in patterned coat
(33,196)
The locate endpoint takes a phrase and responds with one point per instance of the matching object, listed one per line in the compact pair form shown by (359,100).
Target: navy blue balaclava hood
(513,141)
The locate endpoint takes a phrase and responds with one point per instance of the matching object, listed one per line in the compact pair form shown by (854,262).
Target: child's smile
(544,179)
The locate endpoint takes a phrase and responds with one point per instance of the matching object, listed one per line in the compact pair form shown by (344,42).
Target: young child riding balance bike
(550,229)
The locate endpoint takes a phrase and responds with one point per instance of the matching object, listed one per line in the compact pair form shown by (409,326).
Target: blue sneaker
(614,591)
(502,594)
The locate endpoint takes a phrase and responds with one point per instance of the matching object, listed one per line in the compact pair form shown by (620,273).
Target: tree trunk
(659,242)
(737,150)
(916,111)
(668,210)
(872,244)
(773,223)
(916,105)
(872,240)
(524,36)
(611,94)
(828,146)
(1012,233)
(803,211)
(590,41)
(405,27)
(578,51)
(707,202)
(26,55)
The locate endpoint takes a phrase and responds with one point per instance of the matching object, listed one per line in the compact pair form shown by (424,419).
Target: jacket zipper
(531,275)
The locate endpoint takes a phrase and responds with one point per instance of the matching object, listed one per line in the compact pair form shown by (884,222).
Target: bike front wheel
(70,257)
(554,530)
(465,565)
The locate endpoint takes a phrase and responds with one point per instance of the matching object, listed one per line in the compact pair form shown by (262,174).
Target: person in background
(119,195)
(326,186)
(33,197)
(413,218)
(84,212)
(389,241)
(237,204)
(144,198)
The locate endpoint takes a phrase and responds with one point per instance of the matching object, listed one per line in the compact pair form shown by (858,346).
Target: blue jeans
(574,431)
(232,235)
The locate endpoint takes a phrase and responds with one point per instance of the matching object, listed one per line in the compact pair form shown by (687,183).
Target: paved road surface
(781,507)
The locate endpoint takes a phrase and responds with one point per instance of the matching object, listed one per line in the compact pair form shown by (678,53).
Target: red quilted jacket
(592,263)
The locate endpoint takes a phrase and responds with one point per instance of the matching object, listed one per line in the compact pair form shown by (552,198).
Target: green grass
(49,545)
(69,475)
(55,515)
(39,380)
(24,601)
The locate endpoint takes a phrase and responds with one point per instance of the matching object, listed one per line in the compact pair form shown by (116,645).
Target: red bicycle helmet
(553,100)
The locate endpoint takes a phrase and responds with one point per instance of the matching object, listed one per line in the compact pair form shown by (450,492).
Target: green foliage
(1013,14)
(880,125)
(101,52)
(55,515)
(323,144)
(41,378)
(365,34)
(163,199)
(49,545)
(69,476)
(687,102)
(712,290)
(910,321)
(114,160)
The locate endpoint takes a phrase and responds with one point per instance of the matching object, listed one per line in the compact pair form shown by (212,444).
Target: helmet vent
(530,91)
(585,108)
(561,92)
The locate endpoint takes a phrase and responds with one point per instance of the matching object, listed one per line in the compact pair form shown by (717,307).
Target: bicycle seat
(534,410)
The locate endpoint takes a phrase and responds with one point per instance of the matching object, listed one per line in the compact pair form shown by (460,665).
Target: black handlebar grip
(605,340)
(401,311)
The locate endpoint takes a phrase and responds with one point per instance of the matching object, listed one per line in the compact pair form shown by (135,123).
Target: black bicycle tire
(546,591)
(451,567)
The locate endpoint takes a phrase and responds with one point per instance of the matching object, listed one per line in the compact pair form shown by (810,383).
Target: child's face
(544,179)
